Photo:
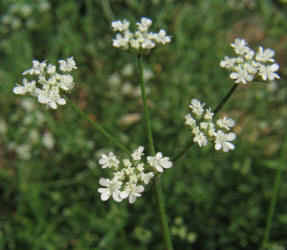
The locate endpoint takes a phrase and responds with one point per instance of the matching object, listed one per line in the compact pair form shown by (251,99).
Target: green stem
(145,107)
(98,127)
(225,98)
(157,180)
(275,193)
(189,143)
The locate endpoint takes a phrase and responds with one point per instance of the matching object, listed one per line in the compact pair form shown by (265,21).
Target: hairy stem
(157,180)
(99,128)
(275,192)
(189,143)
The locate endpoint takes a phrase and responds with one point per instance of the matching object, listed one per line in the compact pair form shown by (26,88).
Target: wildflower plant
(127,178)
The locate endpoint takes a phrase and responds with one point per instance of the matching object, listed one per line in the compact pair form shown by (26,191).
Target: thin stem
(275,193)
(157,180)
(145,106)
(98,127)
(189,143)
(225,98)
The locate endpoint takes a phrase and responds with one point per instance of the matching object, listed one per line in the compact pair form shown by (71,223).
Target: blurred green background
(49,168)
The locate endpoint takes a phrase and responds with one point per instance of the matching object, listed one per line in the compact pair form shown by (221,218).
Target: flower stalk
(98,127)
(157,180)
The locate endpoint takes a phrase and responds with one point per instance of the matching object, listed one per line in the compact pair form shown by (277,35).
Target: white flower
(121,41)
(240,46)
(141,38)
(227,62)
(120,175)
(158,162)
(66,82)
(226,123)
(222,141)
(200,139)
(148,44)
(267,72)
(132,191)
(140,167)
(144,24)
(129,170)
(120,26)
(265,56)
(146,177)
(109,161)
(48,140)
(241,75)
(189,120)
(127,163)
(208,114)
(197,107)
(37,69)
(51,69)
(112,189)
(161,37)
(137,154)
(28,87)
(47,88)
(67,65)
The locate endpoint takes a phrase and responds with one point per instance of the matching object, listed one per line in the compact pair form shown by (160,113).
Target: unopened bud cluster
(130,175)
(205,128)
(248,65)
(49,84)
(141,39)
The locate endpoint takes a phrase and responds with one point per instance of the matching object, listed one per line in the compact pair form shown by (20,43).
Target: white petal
(105,196)
(104,182)
(132,198)
(19,90)
(61,101)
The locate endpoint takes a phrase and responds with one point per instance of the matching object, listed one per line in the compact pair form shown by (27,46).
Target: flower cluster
(249,65)
(49,83)
(204,127)
(131,175)
(141,39)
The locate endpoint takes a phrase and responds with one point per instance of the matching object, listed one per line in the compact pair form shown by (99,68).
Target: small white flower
(120,26)
(112,189)
(265,56)
(28,87)
(200,139)
(120,175)
(137,153)
(51,69)
(148,44)
(227,62)
(37,69)
(208,114)
(226,123)
(140,167)
(268,72)
(144,24)
(241,75)
(197,107)
(127,163)
(48,140)
(146,177)
(132,191)
(158,162)
(222,141)
(67,65)
(190,121)
(240,46)
(129,170)
(109,161)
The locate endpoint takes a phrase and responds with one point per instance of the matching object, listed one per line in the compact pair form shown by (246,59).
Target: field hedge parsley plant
(130,176)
